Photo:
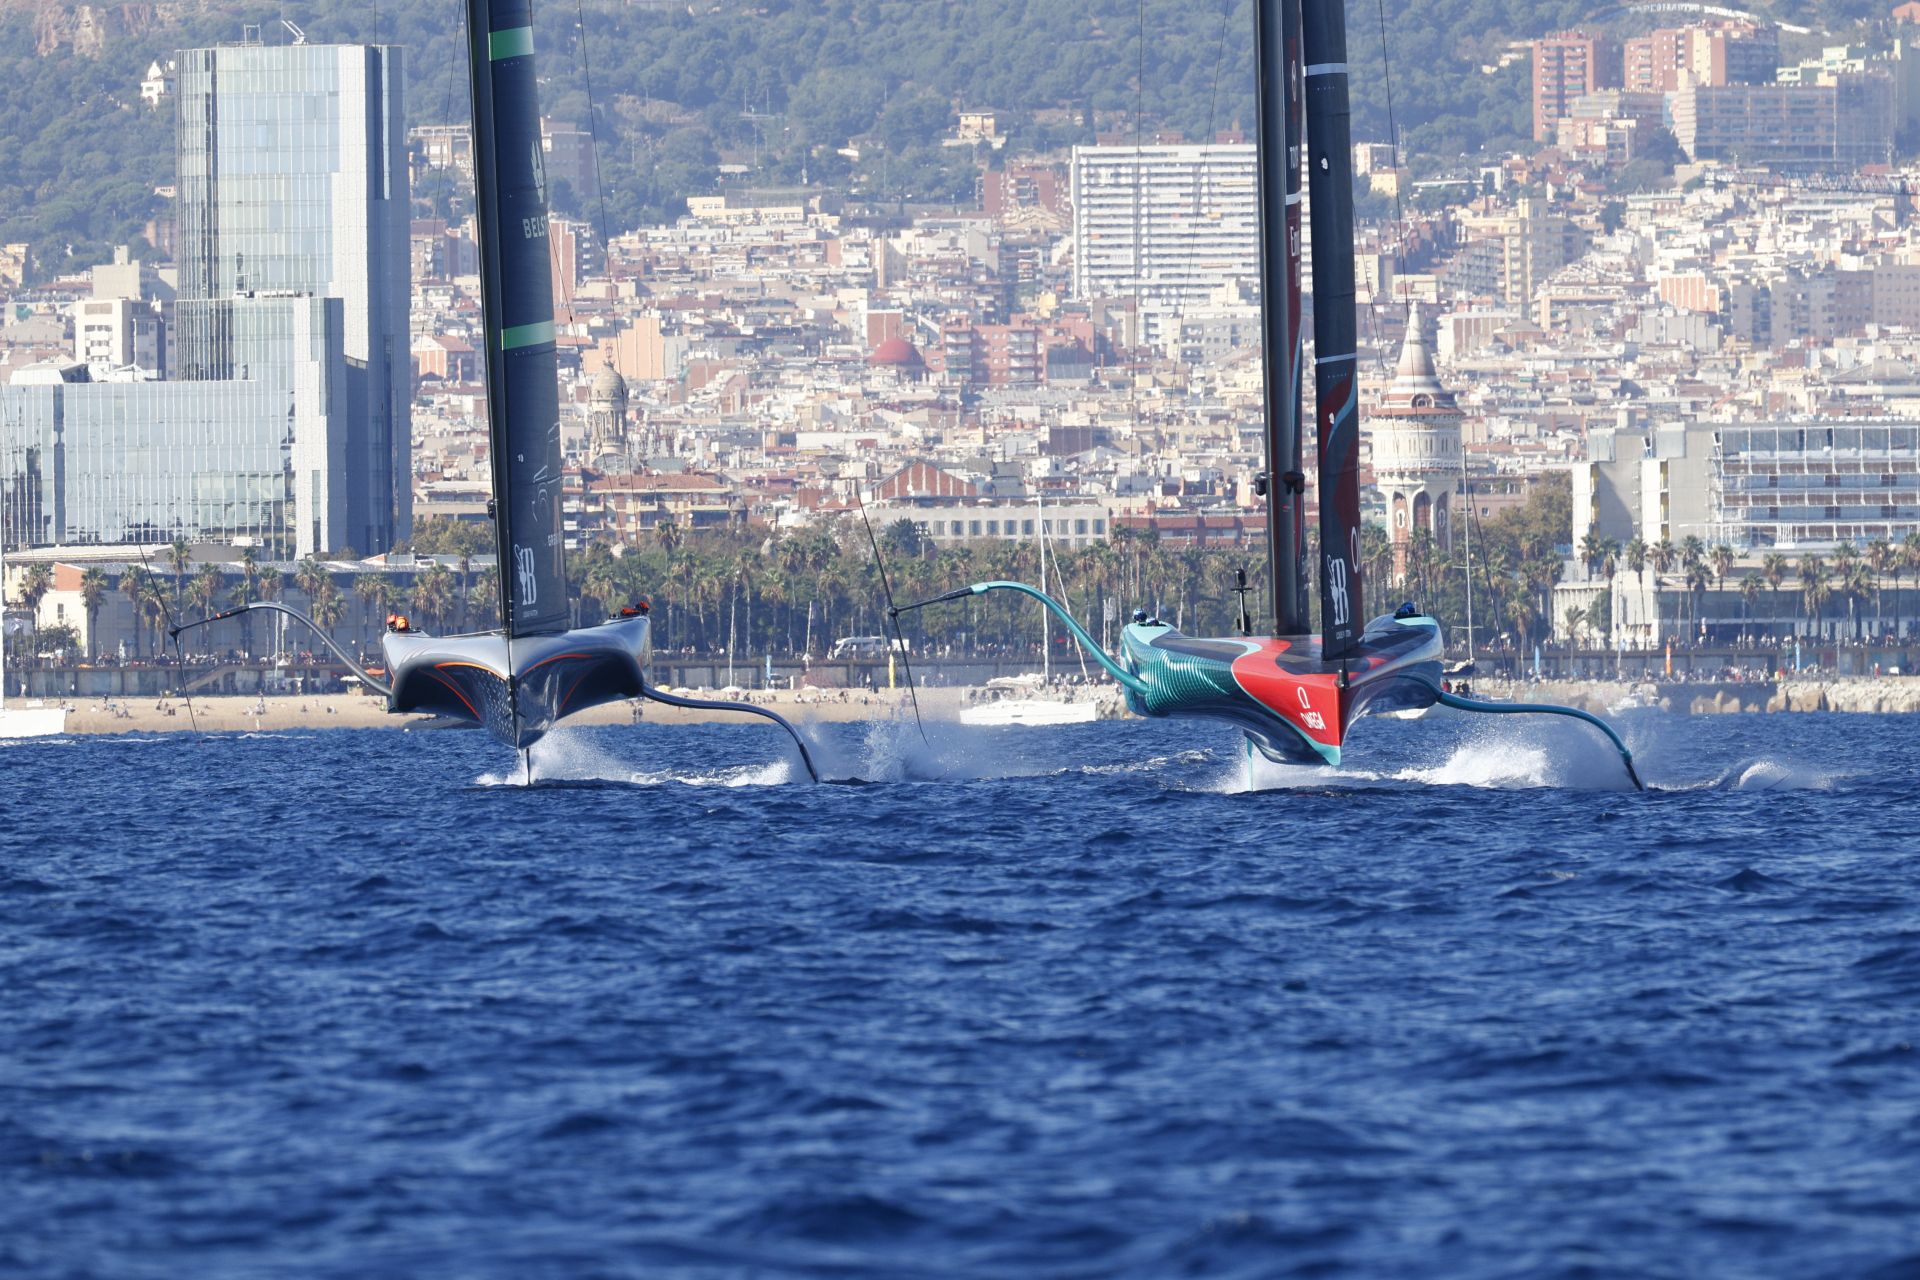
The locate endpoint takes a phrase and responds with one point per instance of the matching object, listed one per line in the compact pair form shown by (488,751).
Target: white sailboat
(1022,699)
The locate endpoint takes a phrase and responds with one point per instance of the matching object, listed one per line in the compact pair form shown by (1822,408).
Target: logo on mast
(523,573)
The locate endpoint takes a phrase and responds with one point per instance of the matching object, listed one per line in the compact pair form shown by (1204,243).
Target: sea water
(1080,1001)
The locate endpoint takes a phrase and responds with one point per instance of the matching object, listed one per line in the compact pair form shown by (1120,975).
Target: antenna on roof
(299,36)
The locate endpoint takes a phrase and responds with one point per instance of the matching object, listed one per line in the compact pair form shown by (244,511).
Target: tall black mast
(1277,57)
(1336,395)
(523,384)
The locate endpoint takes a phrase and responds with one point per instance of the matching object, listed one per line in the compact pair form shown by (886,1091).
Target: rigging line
(593,137)
(179,656)
(893,612)
(1219,60)
(446,110)
(1393,145)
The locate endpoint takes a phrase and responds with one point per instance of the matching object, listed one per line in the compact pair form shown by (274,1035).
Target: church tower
(607,449)
(1417,455)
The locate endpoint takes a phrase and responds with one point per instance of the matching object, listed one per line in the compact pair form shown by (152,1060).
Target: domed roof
(1416,384)
(897,352)
(609,385)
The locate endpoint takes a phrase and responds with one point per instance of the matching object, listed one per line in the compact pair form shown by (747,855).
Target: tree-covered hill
(783,84)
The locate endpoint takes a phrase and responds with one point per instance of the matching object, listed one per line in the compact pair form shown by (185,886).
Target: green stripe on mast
(526,335)
(516,42)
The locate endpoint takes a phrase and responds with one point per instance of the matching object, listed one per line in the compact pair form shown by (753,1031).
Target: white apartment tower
(1169,225)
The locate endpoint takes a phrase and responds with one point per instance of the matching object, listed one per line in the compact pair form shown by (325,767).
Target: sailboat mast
(1466,529)
(523,380)
(1336,392)
(1277,60)
(1046,625)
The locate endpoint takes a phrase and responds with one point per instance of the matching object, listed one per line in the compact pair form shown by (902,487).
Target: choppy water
(1072,1002)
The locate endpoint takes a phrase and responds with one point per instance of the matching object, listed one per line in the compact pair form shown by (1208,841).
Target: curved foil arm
(273,606)
(1126,678)
(1546,709)
(702,704)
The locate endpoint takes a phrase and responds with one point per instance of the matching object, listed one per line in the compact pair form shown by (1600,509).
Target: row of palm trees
(794,592)
(1854,576)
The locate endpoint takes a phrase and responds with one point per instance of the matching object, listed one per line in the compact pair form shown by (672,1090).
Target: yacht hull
(1293,703)
(518,690)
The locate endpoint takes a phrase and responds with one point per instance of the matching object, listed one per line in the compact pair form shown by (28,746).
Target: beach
(359,711)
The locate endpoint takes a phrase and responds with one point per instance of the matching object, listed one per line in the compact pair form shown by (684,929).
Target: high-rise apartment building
(1169,226)
(1712,54)
(1840,125)
(1568,66)
(293,183)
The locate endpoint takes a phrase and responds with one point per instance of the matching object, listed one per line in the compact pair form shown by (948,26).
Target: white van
(858,647)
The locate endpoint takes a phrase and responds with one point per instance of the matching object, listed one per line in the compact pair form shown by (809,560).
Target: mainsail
(523,398)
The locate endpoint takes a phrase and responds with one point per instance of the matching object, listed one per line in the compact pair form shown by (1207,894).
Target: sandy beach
(1864,695)
(358,711)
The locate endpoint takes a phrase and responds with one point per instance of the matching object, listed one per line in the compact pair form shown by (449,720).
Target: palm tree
(1881,557)
(1697,579)
(1774,569)
(1749,593)
(1592,547)
(1576,619)
(1721,558)
(484,595)
(153,607)
(34,585)
(179,555)
(1814,590)
(133,585)
(1857,583)
(205,590)
(1660,556)
(93,594)
(1637,558)
(313,579)
(376,594)
(329,609)
(269,586)
(432,593)
(1910,561)
(1519,612)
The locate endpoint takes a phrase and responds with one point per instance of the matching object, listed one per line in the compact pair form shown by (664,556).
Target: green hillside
(775,82)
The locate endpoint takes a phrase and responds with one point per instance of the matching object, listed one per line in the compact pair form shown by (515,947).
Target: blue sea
(1075,1002)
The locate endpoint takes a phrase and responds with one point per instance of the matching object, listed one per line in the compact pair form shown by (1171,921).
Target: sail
(523,398)
(1336,390)
(1277,39)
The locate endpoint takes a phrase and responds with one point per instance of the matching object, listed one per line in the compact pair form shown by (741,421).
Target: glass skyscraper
(289,427)
(293,180)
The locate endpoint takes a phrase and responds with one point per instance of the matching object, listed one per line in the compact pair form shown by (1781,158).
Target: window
(993,528)
(974,528)
(1080,527)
